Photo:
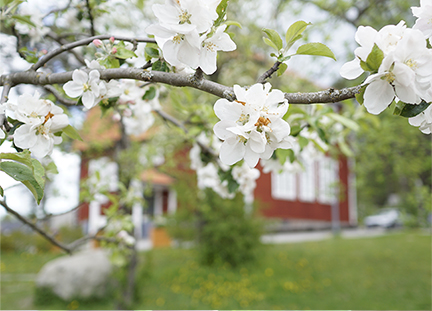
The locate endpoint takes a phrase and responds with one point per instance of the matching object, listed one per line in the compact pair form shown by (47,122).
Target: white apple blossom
(404,73)
(181,15)
(126,238)
(41,120)
(424,17)
(37,32)
(246,177)
(386,39)
(219,41)
(423,120)
(252,126)
(85,85)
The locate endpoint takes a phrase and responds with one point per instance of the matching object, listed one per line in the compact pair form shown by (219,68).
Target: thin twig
(19,43)
(63,41)
(4,97)
(35,227)
(59,97)
(50,215)
(269,72)
(82,42)
(92,29)
(147,65)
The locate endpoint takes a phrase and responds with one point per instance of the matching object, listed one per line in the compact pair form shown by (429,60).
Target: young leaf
(24,19)
(25,175)
(374,60)
(315,48)
(344,121)
(149,94)
(274,37)
(72,132)
(124,53)
(303,141)
(360,95)
(270,43)
(282,68)
(22,157)
(294,32)
(232,23)
(151,52)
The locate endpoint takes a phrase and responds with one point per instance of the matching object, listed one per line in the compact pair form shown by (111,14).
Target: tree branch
(39,78)
(63,41)
(35,227)
(4,96)
(92,29)
(59,97)
(269,72)
(82,42)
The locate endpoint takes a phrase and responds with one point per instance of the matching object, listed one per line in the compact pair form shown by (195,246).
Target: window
(328,177)
(307,181)
(284,186)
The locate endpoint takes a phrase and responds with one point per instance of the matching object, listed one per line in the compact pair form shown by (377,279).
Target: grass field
(391,272)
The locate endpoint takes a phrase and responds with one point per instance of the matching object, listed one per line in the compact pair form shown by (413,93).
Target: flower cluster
(186,35)
(137,117)
(403,72)
(424,18)
(36,31)
(209,176)
(252,126)
(40,119)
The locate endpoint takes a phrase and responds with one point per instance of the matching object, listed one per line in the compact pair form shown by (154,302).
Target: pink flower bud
(97,43)
(127,113)
(44,51)
(114,50)
(116,117)
(112,39)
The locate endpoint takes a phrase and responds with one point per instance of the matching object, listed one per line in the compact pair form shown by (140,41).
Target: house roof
(156,178)
(101,132)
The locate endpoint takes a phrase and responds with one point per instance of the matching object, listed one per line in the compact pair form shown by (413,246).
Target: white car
(386,218)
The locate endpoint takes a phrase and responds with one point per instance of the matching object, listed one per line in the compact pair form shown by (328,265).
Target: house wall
(296,209)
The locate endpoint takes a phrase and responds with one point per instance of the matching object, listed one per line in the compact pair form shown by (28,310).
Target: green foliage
(227,233)
(410,110)
(374,60)
(26,170)
(315,48)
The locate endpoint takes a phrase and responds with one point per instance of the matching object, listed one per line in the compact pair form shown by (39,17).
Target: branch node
(230,95)
(146,75)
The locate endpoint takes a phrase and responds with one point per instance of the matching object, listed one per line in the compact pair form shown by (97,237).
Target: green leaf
(232,23)
(303,141)
(322,135)
(22,157)
(295,130)
(283,154)
(398,108)
(346,150)
(1,191)
(23,19)
(152,52)
(149,94)
(282,68)
(160,66)
(221,11)
(411,110)
(270,43)
(72,132)
(124,53)
(24,174)
(344,121)
(294,32)
(315,48)
(374,60)
(274,37)
(360,95)
(38,173)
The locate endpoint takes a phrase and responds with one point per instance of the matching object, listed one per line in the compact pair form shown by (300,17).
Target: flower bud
(111,39)
(98,43)
(114,50)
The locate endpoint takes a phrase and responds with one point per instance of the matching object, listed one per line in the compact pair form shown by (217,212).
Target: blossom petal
(378,95)
(231,152)
(226,110)
(351,70)
(79,76)
(251,158)
(73,89)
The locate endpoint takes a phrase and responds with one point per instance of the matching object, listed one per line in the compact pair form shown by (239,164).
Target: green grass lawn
(391,272)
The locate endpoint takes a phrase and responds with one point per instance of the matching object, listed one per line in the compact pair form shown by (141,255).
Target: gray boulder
(82,275)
